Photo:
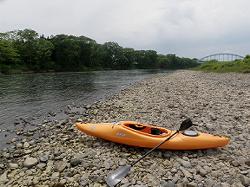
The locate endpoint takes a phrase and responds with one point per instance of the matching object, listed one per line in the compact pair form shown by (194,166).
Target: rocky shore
(55,153)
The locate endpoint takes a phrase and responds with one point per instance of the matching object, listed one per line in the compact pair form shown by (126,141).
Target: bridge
(221,57)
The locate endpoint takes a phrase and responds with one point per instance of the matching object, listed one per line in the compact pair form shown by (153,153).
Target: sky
(187,28)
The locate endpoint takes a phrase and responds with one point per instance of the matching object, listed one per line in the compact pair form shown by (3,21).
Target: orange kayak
(148,136)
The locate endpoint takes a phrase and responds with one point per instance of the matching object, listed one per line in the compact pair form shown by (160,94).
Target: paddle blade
(115,177)
(186,124)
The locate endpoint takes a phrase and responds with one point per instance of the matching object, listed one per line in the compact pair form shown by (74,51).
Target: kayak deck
(148,136)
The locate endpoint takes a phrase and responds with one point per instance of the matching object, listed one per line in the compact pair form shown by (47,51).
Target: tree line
(26,50)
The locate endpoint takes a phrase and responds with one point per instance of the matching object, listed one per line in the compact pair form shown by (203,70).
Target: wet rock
(29,162)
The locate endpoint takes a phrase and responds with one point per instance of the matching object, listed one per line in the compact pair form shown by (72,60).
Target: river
(36,97)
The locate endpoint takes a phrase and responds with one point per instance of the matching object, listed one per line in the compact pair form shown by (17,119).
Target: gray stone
(44,158)
(41,165)
(28,151)
(74,162)
(60,166)
(13,165)
(209,182)
(245,180)
(26,145)
(19,145)
(55,175)
(202,172)
(29,162)
(238,184)
(79,120)
(224,184)
(247,162)
(49,167)
(122,162)
(3,178)
(184,163)
(186,173)
(191,184)
(167,184)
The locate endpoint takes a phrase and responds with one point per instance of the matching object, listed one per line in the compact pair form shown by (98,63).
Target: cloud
(186,27)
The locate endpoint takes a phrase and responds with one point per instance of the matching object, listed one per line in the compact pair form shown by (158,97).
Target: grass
(240,66)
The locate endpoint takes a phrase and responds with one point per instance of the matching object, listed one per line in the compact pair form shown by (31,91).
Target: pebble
(184,163)
(60,166)
(13,165)
(167,184)
(3,178)
(26,145)
(186,173)
(55,175)
(74,162)
(44,158)
(245,180)
(29,162)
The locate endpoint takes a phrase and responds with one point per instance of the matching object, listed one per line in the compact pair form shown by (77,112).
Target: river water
(33,96)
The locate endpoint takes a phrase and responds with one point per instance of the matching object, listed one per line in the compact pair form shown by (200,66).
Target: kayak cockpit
(146,129)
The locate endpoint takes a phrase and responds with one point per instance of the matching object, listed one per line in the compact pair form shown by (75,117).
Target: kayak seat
(156,131)
(137,127)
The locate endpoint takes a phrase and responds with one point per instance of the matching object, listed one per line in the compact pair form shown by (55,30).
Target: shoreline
(218,103)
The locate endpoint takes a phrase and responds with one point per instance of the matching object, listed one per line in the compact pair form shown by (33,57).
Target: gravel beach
(55,153)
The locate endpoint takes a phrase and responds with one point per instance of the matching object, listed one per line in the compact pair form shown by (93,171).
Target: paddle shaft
(147,153)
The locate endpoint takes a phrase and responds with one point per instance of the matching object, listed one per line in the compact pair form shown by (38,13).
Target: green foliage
(25,50)
(242,66)
(171,61)
(8,54)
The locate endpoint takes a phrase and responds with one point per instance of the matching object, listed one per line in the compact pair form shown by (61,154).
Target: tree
(8,54)
(43,53)
(113,55)
(26,43)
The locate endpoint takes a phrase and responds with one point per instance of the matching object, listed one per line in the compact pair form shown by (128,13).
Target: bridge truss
(221,57)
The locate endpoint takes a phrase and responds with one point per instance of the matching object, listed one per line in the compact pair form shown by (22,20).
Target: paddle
(115,177)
